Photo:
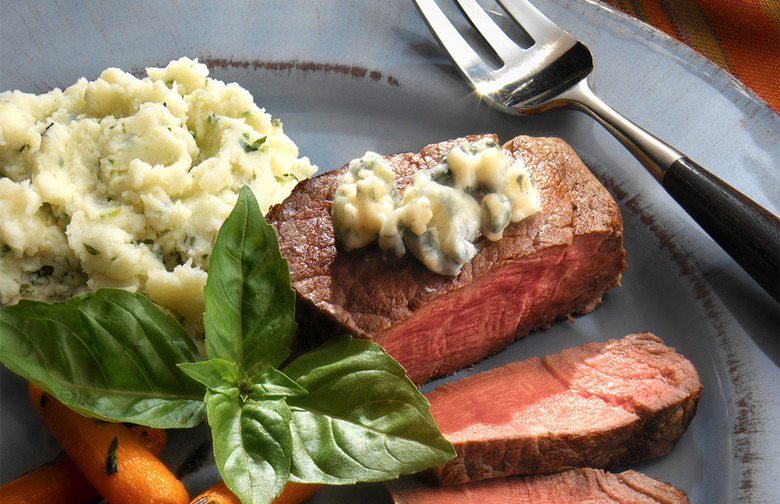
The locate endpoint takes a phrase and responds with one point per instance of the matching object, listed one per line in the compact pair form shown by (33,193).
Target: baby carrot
(61,482)
(152,438)
(112,459)
(293,493)
(218,493)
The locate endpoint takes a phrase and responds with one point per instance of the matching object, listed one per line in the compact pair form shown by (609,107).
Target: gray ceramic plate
(348,76)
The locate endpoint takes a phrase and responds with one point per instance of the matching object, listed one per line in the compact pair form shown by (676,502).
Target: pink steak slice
(598,405)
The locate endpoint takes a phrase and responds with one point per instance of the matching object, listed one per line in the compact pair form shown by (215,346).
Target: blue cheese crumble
(439,218)
(365,197)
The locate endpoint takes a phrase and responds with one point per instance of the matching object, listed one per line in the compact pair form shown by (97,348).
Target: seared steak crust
(583,486)
(599,405)
(556,263)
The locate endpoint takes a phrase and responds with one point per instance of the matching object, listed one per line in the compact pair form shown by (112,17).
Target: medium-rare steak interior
(575,486)
(556,263)
(598,405)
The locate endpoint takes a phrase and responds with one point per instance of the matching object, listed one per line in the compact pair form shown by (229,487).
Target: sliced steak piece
(558,262)
(585,486)
(598,405)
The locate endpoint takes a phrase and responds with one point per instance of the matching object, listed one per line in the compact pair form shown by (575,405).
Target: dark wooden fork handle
(746,231)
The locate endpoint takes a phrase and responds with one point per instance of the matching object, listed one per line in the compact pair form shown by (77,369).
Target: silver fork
(553,72)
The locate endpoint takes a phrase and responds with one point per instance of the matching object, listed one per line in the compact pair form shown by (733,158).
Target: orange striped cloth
(742,36)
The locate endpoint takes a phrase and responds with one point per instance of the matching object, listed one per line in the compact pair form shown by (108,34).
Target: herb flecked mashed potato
(125,182)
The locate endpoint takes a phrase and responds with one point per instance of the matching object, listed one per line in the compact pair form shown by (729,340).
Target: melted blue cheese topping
(438,223)
(364,199)
(439,217)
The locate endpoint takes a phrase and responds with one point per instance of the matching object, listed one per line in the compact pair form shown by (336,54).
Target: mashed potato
(124,182)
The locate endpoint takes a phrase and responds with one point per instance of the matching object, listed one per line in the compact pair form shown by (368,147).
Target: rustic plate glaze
(348,76)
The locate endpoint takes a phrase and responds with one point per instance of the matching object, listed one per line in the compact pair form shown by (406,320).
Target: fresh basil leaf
(217,374)
(213,373)
(362,420)
(109,354)
(273,383)
(252,444)
(249,317)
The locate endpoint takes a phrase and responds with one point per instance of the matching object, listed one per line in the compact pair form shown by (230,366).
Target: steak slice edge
(574,486)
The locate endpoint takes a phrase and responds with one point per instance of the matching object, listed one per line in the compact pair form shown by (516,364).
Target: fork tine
(469,62)
(536,24)
(488,29)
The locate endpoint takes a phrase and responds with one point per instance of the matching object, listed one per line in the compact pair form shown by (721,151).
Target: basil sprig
(339,414)
(108,354)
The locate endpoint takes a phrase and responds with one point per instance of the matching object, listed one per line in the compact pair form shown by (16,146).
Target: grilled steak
(556,263)
(599,405)
(585,486)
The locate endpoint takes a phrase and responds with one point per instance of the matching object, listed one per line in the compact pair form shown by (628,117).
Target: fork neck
(654,154)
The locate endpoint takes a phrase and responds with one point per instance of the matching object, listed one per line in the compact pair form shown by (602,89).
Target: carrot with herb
(109,456)
(293,493)
(61,481)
